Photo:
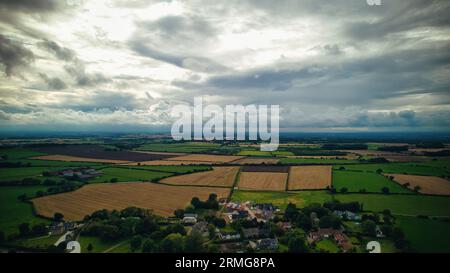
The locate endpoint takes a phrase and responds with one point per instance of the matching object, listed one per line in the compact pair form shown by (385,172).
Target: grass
(18,153)
(99,245)
(282,199)
(42,242)
(15,174)
(254,153)
(127,175)
(401,204)
(14,212)
(316,161)
(328,246)
(426,235)
(187,147)
(433,168)
(371,182)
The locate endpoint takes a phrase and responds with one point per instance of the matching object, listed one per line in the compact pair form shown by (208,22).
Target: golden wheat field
(427,184)
(262,181)
(309,177)
(162,199)
(219,176)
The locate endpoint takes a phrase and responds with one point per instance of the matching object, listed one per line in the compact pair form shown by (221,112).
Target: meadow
(370,182)
(125,175)
(433,168)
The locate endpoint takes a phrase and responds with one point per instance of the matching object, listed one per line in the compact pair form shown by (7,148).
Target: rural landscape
(150,194)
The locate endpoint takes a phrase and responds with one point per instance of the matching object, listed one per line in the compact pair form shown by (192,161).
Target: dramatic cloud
(330,65)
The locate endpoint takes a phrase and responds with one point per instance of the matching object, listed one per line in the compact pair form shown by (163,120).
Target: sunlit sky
(337,65)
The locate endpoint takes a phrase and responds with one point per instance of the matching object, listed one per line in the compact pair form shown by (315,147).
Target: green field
(188,147)
(371,182)
(128,175)
(433,168)
(42,242)
(316,161)
(328,246)
(282,199)
(17,153)
(14,212)
(52,163)
(99,245)
(254,153)
(171,169)
(409,205)
(14,174)
(426,235)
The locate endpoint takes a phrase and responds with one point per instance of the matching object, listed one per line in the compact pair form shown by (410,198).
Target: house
(250,232)
(314,219)
(338,237)
(348,215)
(231,247)
(229,236)
(189,220)
(201,228)
(379,232)
(284,225)
(56,228)
(236,215)
(264,244)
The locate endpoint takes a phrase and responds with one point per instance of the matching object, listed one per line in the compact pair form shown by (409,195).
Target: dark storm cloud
(53,83)
(13,55)
(60,52)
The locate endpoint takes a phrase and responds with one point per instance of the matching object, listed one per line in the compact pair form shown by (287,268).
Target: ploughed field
(98,152)
(219,176)
(161,199)
(262,181)
(426,184)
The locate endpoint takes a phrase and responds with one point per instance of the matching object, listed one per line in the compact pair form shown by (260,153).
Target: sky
(120,65)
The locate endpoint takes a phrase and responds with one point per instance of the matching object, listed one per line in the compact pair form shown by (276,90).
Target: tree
(193,243)
(179,213)
(385,190)
(149,246)
(344,190)
(2,237)
(173,243)
(90,247)
(22,197)
(24,229)
(58,217)
(135,243)
(149,225)
(417,188)
(39,229)
(369,228)
(297,244)
(114,180)
(330,221)
(291,211)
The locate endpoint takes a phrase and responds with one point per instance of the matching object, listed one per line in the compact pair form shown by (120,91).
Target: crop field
(282,199)
(432,168)
(172,169)
(206,158)
(316,161)
(14,174)
(262,181)
(126,175)
(188,147)
(67,158)
(427,184)
(370,182)
(309,177)
(272,169)
(162,199)
(168,163)
(405,204)
(50,163)
(256,161)
(98,152)
(17,153)
(219,176)
(254,153)
(426,235)
(14,212)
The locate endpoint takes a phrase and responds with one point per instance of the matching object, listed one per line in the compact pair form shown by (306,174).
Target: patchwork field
(370,182)
(262,181)
(187,147)
(168,163)
(309,177)
(68,158)
(432,168)
(219,176)
(125,175)
(256,161)
(316,161)
(427,184)
(206,158)
(162,199)
(271,169)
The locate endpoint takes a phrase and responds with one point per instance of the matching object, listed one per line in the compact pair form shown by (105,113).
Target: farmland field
(171,169)
(125,175)
(263,181)
(256,161)
(98,152)
(427,184)
(409,205)
(433,168)
(282,199)
(50,163)
(67,158)
(189,147)
(370,182)
(426,235)
(206,158)
(309,177)
(13,174)
(254,153)
(162,199)
(271,169)
(18,153)
(219,176)
(168,163)
(316,161)
(14,212)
